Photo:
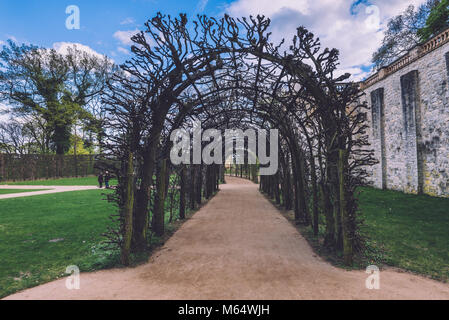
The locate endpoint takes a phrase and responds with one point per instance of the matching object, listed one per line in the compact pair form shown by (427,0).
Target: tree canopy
(402,31)
(227,73)
(51,89)
(437,21)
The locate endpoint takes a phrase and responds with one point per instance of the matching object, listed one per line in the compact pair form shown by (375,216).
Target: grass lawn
(27,226)
(412,231)
(41,235)
(9,191)
(82,181)
(402,230)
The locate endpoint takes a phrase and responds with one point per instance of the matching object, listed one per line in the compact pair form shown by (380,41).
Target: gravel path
(238,246)
(52,189)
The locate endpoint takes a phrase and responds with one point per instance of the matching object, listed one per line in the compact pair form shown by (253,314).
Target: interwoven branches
(227,74)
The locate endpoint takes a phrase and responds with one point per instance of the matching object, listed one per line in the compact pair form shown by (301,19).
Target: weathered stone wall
(409,121)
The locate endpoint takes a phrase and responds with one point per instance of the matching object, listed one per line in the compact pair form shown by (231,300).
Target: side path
(238,246)
(51,189)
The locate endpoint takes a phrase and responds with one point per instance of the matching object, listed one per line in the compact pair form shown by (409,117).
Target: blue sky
(107,25)
(43,22)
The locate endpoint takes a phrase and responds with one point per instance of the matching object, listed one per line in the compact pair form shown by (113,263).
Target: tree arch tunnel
(227,74)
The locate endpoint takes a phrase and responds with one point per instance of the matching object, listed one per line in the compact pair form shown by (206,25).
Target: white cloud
(125,36)
(266,7)
(123,50)
(353,34)
(8,37)
(357,74)
(62,48)
(128,20)
(11,37)
(201,5)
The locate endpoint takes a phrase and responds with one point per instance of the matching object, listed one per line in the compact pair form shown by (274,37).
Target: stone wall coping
(415,53)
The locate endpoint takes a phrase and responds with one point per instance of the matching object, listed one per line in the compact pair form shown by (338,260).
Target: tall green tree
(54,87)
(437,21)
(401,33)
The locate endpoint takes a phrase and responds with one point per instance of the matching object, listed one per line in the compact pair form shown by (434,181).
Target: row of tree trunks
(288,187)
(193,180)
(23,167)
(247,171)
(308,106)
(242,170)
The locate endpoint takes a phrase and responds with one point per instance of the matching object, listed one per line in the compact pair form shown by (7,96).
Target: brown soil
(238,246)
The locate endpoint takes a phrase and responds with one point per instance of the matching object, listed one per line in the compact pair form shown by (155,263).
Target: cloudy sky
(352,26)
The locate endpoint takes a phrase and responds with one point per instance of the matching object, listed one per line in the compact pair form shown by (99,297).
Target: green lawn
(402,230)
(83,181)
(41,235)
(9,191)
(412,231)
(27,225)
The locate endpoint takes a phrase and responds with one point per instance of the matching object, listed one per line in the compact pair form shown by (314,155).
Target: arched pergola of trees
(227,73)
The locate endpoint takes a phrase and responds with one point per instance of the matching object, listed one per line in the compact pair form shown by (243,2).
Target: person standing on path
(107,177)
(100,180)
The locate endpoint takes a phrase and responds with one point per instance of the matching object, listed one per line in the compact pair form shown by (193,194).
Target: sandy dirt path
(238,246)
(51,189)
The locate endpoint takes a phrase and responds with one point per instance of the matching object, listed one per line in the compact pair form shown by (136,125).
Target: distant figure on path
(107,177)
(100,180)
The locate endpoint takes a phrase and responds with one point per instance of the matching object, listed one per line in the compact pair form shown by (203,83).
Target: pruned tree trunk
(329,239)
(182,193)
(159,207)
(304,207)
(288,190)
(315,198)
(140,221)
(128,211)
(254,173)
(276,188)
(297,209)
(199,184)
(346,224)
(334,175)
(192,195)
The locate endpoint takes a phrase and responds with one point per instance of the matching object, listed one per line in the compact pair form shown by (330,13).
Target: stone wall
(409,120)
